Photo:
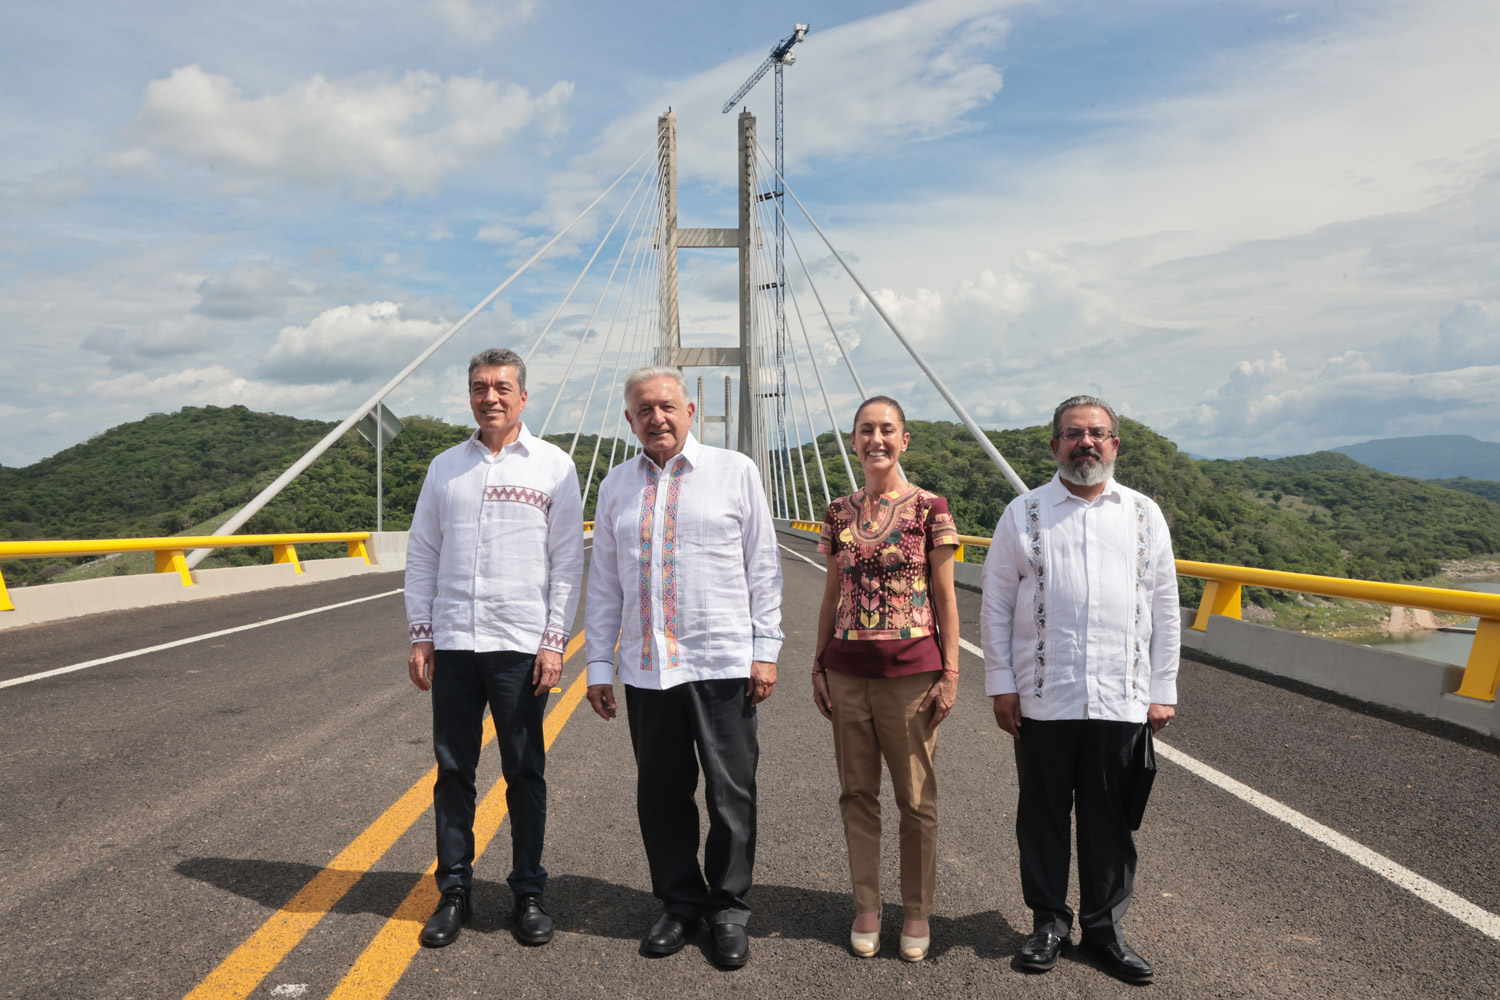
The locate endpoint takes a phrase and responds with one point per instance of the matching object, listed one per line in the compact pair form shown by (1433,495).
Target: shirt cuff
(420,632)
(766,648)
(1164,692)
(600,672)
(555,640)
(998,682)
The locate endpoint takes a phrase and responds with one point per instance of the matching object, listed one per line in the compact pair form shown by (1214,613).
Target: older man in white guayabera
(1081,639)
(686,575)
(494,565)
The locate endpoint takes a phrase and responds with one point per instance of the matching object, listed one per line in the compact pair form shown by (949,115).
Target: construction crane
(781,56)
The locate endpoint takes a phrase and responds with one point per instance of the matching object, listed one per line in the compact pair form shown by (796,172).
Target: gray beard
(1086,473)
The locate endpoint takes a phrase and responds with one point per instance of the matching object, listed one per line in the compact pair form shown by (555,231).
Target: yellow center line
(243,969)
(387,956)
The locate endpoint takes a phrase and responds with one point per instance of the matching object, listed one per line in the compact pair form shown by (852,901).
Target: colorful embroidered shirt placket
(668,558)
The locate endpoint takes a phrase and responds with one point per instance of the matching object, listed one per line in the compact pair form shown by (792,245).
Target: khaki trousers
(875,718)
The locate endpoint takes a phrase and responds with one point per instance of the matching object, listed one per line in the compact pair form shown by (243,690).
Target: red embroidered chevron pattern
(519,494)
(421,631)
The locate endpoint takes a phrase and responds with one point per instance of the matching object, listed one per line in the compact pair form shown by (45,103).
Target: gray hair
(1073,402)
(651,372)
(495,357)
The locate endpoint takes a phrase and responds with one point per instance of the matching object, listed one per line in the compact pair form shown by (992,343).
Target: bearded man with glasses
(1081,635)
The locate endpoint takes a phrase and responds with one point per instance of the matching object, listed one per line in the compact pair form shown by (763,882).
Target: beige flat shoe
(914,949)
(864,945)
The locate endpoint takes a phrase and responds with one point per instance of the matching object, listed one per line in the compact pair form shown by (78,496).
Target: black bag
(1142,775)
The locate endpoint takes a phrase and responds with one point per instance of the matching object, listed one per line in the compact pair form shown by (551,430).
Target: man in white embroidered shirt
(686,575)
(494,564)
(1081,637)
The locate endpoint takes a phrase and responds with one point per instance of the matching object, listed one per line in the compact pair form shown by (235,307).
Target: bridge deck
(158,812)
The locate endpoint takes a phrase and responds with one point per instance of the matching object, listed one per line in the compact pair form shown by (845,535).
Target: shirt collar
(1059,492)
(691,450)
(524,442)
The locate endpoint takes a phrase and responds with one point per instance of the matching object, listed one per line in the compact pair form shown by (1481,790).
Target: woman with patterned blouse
(886,670)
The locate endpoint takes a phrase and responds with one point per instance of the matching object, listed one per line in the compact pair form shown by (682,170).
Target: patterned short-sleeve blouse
(885,625)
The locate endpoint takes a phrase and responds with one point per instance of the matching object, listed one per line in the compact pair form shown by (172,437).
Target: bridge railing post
(174,561)
(1482,673)
(1220,597)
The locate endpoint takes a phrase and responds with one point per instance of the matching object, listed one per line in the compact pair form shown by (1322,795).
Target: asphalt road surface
(248,814)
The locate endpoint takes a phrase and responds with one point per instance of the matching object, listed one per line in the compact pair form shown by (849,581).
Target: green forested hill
(1321,513)
(1486,488)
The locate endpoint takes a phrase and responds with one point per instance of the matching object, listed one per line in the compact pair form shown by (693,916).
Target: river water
(1444,647)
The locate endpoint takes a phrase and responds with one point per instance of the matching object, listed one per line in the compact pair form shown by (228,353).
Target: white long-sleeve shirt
(1080,605)
(494,559)
(685,571)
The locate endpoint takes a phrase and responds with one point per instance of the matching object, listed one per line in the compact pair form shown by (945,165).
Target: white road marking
(191,639)
(1449,902)
(803,558)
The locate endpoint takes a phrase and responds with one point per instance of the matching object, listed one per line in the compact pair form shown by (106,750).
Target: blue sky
(1260,228)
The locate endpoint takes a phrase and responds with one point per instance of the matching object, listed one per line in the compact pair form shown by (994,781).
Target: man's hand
(419,665)
(1159,715)
(1008,713)
(602,697)
(547,670)
(762,681)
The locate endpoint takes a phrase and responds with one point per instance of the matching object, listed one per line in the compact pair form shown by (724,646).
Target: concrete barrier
(58,601)
(1375,676)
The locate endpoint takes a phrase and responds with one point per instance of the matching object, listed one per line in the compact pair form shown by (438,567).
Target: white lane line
(804,558)
(1425,889)
(192,639)
(1449,902)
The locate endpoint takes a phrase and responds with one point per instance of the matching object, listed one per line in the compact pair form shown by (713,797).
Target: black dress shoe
(532,924)
(669,934)
(731,947)
(1122,960)
(1040,951)
(447,920)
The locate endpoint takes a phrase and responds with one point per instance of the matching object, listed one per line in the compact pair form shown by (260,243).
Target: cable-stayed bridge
(230,797)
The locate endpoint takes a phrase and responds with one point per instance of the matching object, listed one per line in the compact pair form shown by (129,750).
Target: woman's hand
(940,697)
(820,694)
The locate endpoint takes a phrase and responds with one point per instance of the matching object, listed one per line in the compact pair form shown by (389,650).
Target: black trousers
(1085,762)
(672,731)
(463,682)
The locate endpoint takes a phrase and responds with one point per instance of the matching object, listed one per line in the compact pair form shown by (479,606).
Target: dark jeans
(672,730)
(463,682)
(1087,762)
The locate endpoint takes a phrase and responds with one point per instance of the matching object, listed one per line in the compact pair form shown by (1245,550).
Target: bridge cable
(812,429)
(603,292)
(812,362)
(942,388)
(599,364)
(576,281)
(783,454)
(797,427)
(248,511)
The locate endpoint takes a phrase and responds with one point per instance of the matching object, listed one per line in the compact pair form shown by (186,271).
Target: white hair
(652,372)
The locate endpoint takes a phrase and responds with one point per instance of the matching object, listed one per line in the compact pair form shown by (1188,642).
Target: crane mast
(781,56)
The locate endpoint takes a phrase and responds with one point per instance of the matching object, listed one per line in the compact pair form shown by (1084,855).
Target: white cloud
(248,291)
(349,342)
(166,339)
(480,20)
(375,134)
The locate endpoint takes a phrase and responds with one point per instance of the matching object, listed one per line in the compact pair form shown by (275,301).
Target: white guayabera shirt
(494,559)
(685,571)
(1080,605)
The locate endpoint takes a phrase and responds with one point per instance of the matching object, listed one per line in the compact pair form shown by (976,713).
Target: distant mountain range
(1436,456)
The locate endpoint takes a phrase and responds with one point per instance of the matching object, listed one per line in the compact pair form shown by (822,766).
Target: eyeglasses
(1079,433)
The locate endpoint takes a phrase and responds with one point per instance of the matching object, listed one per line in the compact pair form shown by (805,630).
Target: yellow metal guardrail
(171,553)
(1221,596)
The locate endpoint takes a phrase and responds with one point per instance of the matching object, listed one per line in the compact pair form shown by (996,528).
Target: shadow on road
(583,904)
